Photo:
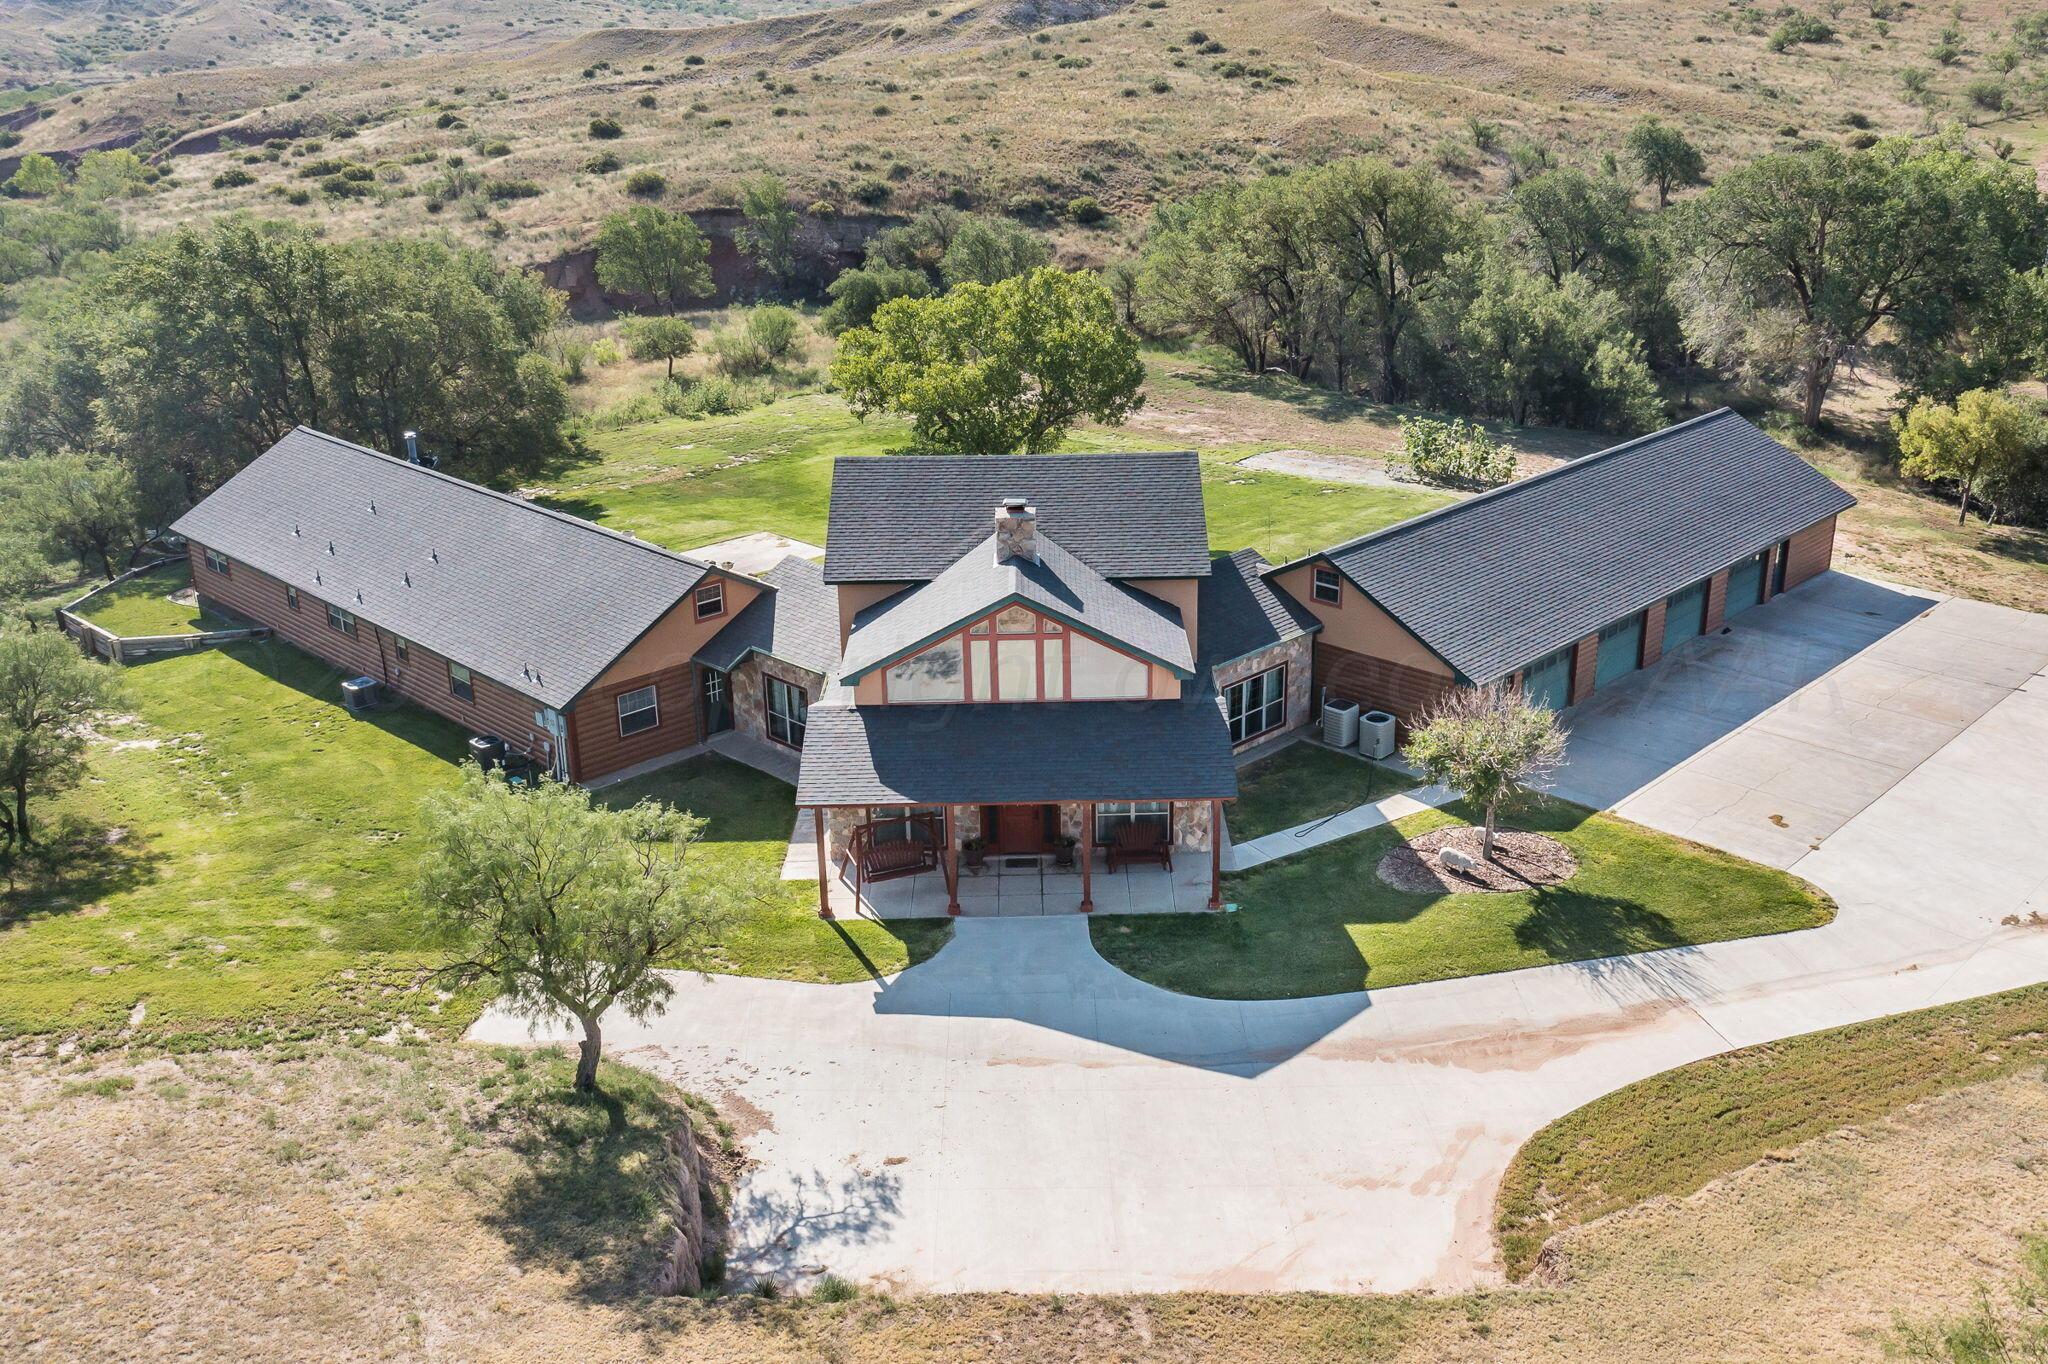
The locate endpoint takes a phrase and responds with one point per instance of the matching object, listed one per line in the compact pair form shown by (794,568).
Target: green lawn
(1306,781)
(143,605)
(1322,922)
(246,861)
(684,483)
(780,933)
(1672,1133)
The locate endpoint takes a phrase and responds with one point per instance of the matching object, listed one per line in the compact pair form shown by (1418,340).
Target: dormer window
(1329,587)
(710,600)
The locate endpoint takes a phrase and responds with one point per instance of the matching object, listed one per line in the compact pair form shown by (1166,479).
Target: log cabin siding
(596,748)
(248,594)
(1378,683)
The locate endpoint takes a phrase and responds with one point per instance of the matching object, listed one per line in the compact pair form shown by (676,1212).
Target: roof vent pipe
(1016,530)
(412,447)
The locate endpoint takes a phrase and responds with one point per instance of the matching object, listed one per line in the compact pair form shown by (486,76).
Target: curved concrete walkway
(1017,1114)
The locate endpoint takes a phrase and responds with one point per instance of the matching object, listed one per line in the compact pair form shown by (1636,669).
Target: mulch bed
(1521,861)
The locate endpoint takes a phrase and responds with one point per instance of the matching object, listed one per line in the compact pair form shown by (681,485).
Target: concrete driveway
(1016,1114)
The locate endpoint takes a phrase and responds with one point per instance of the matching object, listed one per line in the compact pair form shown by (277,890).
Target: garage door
(1548,681)
(1685,615)
(1745,585)
(1621,649)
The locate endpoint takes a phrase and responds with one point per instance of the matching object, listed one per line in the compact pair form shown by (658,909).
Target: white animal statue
(1458,861)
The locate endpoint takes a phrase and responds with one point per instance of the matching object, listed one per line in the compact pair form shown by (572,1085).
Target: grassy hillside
(1022,105)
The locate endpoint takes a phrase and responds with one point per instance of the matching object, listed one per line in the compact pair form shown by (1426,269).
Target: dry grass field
(368,1202)
(1018,105)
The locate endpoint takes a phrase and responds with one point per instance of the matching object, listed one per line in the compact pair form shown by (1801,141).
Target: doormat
(1019,863)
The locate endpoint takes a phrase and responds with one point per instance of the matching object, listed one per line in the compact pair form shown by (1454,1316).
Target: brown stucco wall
(1357,626)
(1184,594)
(254,596)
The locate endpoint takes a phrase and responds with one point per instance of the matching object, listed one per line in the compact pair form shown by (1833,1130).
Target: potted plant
(973,852)
(1063,850)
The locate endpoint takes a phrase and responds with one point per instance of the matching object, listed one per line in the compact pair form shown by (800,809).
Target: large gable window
(936,674)
(1101,673)
(638,711)
(1257,705)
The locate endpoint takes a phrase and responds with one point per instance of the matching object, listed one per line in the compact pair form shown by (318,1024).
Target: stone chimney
(1016,530)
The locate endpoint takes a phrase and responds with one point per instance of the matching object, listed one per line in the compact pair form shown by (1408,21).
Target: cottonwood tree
(1663,158)
(568,906)
(768,226)
(1799,257)
(996,368)
(91,508)
(1491,743)
(648,250)
(48,693)
(1983,438)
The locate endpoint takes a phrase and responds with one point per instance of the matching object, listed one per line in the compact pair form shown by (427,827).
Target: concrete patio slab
(1014,1113)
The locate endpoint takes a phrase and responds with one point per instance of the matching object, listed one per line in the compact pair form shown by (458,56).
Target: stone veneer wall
(750,693)
(1298,654)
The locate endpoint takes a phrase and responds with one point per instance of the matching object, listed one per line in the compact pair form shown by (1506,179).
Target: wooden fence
(101,642)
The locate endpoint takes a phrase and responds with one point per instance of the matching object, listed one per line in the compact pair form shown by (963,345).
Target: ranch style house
(1010,657)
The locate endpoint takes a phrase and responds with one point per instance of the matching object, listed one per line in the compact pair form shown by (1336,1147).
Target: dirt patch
(1521,861)
(1327,468)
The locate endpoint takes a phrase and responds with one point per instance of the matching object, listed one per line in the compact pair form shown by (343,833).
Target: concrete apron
(1017,1114)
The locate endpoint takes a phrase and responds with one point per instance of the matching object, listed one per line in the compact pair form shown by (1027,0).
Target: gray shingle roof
(537,600)
(1240,613)
(966,754)
(1501,579)
(797,622)
(907,518)
(1056,583)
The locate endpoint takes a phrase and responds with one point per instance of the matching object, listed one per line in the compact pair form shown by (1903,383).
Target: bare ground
(361,1203)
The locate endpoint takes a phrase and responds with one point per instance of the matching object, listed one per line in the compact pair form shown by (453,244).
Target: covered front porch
(1036,858)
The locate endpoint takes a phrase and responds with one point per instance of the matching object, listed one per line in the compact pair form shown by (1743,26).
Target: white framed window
(217,561)
(460,683)
(788,711)
(1328,586)
(291,596)
(900,823)
(710,599)
(1113,815)
(338,619)
(1257,705)
(639,711)
(402,646)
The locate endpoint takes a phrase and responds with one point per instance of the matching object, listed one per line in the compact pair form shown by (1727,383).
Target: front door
(717,701)
(1020,828)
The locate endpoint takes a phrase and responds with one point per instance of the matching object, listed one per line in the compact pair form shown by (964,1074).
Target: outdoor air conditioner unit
(1376,734)
(1340,723)
(362,694)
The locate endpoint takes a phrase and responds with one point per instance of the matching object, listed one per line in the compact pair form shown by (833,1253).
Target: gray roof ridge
(1492,495)
(577,522)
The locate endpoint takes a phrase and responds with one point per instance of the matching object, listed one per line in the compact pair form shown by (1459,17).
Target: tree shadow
(780,1232)
(1573,926)
(75,863)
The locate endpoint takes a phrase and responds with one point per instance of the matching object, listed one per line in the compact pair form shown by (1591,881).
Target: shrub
(832,1288)
(1085,209)
(451,119)
(603,163)
(502,190)
(300,197)
(1454,453)
(647,101)
(646,183)
(823,209)
(234,177)
(715,396)
(871,192)
(341,187)
(693,60)
(756,345)
(606,128)
(1801,28)
(1160,85)
(1987,93)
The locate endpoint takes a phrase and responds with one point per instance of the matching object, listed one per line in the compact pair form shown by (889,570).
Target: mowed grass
(688,482)
(1322,922)
(1305,781)
(1672,1133)
(778,932)
(246,860)
(143,606)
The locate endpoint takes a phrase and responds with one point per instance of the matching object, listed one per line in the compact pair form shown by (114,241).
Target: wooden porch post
(1088,857)
(1215,854)
(824,878)
(952,863)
